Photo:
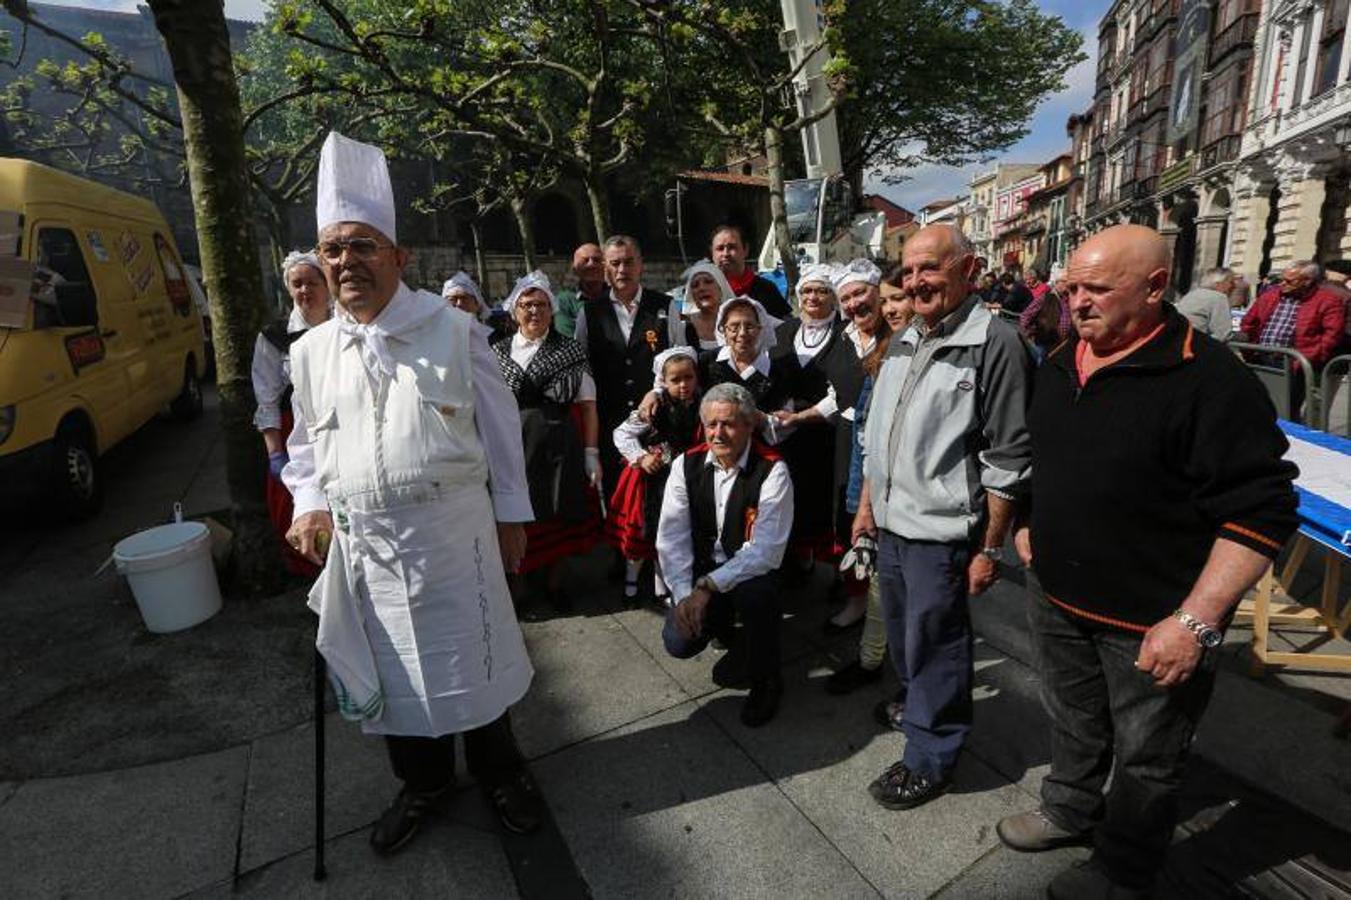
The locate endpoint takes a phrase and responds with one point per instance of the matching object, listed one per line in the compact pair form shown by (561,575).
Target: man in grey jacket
(1206,306)
(946,456)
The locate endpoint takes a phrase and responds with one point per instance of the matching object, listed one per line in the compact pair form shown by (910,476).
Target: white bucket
(170,572)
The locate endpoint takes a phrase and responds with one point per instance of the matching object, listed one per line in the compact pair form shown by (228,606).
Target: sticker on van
(96,244)
(129,247)
(85,349)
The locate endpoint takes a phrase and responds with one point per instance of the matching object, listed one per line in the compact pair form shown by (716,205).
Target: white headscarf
(864,270)
(299,258)
(818,273)
(354,186)
(705,267)
(536,280)
(461,282)
(768,324)
(670,353)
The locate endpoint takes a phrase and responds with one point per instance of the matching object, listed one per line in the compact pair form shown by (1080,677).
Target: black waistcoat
(742,503)
(623,369)
(275,333)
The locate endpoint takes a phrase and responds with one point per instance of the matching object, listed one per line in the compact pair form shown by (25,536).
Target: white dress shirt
(675,326)
(271,374)
(499,433)
(759,555)
(523,350)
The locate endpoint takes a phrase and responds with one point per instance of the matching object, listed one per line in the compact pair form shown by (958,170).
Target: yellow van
(98,331)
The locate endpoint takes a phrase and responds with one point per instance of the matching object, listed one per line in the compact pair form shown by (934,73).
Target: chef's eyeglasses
(364,249)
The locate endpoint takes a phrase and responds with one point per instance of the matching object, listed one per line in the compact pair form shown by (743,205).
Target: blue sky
(1046,136)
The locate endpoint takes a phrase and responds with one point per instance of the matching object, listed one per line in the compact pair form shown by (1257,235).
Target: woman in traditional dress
(549,375)
(648,446)
(462,292)
(271,372)
(706,289)
(897,310)
(745,338)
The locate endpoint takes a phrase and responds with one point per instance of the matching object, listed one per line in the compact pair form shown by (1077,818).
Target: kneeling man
(724,525)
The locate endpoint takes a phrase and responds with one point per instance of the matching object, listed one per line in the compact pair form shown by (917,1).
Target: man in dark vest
(622,333)
(725,521)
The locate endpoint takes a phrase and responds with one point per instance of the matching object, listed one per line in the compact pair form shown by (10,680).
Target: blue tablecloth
(1324,519)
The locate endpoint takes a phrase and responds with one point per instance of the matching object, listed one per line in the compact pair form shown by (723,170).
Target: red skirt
(549,541)
(280,509)
(626,528)
(555,539)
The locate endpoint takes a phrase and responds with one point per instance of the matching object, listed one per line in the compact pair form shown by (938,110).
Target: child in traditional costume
(649,445)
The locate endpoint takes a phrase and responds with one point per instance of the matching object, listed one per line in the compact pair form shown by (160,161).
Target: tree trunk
(199,49)
(520,211)
(778,210)
(600,206)
(480,267)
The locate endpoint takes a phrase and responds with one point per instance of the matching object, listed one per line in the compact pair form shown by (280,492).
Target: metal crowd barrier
(1283,384)
(1335,396)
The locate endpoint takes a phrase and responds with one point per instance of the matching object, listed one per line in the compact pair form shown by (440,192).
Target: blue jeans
(1103,710)
(929,634)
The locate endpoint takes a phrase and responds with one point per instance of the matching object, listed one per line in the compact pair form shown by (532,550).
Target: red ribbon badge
(751,512)
(651,337)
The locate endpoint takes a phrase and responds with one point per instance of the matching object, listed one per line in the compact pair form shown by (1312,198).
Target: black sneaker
(762,702)
(851,678)
(400,822)
(889,713)
(518,803)
(900,788)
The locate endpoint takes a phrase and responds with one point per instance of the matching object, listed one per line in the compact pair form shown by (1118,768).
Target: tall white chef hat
(864,270)
(536,280)
(354,186)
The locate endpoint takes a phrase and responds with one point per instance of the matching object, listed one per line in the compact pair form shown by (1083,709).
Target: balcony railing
(1237,33)
(1221,151)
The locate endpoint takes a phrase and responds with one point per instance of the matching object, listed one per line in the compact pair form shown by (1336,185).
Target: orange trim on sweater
(1096,617)
(1248,532)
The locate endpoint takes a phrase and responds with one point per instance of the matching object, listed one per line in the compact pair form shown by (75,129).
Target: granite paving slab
(590,676)
(153,831)
(670,807)
(823,751)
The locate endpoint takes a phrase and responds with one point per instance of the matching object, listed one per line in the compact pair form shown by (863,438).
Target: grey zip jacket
(947,422)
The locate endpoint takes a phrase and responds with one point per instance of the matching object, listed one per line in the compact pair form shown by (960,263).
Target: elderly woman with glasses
(271,372)
(549,375)
(745,334)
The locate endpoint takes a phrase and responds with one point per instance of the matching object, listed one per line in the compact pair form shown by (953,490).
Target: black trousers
(427,764)
(1103,711)
(757,602)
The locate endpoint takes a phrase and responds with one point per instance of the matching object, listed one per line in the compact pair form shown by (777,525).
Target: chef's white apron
(415,568)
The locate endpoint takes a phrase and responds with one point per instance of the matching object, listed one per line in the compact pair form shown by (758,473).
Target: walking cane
(320,676)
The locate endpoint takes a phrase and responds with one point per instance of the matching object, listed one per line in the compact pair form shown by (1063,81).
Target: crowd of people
(898,423)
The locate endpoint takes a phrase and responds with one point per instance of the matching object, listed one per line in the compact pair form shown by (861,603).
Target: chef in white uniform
(409,483)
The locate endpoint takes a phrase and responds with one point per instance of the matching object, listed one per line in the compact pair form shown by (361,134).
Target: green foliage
(946,81)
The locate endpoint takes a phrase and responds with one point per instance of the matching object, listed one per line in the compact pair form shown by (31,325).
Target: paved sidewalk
(655,788)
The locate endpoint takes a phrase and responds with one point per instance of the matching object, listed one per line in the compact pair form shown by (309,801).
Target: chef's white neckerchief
(404,313)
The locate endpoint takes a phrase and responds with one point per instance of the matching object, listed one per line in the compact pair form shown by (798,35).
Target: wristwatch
(994,554)
(1207,636)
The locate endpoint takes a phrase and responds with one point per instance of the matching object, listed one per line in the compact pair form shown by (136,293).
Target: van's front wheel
(188,404)
(76,479)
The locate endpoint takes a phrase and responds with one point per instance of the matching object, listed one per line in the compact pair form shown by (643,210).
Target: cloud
(248,10)
(1045,138)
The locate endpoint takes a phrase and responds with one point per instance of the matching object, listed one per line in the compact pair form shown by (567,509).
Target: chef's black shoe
(400,822)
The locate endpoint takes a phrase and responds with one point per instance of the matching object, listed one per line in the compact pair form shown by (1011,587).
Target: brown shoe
(1033,832)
